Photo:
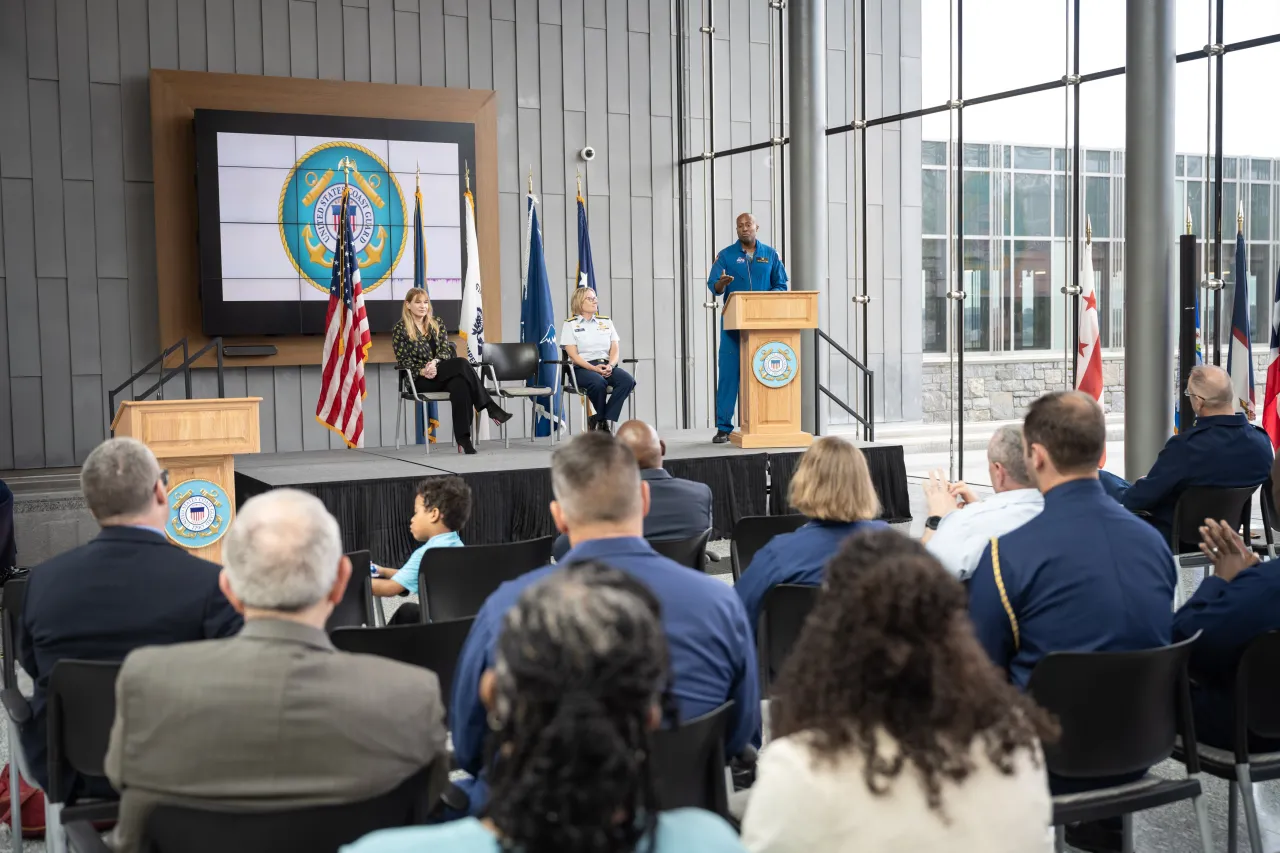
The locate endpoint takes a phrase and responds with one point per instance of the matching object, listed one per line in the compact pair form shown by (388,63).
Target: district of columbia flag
(1240,355)
(1271,408)
(1089,372)
(538,325)
(346,343)
(586,268)
(426,423)
(471,319)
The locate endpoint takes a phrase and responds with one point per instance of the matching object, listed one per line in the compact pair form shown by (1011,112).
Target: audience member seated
(442,506)
(957,539)
(913,741)
(1221,449)
(275,717)
(1237,603)
(600,502)
(678,508)
(572,697)
(831,486)
(8,543)
(127,587)
(1085,575)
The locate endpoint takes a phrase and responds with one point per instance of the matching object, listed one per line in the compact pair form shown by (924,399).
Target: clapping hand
(961,492)
(938,496)
(1225,549)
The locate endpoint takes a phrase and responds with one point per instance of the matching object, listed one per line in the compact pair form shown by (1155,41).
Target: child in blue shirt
(441,507)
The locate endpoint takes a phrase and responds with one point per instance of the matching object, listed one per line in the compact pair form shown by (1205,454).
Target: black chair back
(81,707)
(1120,712)
(356,606)
(456,581)
(15,595)
(1197,503)
(318,829)
(782,615)
(688,763)
(691,552)
(1258,692)
(434,646)
(753,532)
(512,362)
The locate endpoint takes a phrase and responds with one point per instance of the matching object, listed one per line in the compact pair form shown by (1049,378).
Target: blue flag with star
(586,268)
(538,326)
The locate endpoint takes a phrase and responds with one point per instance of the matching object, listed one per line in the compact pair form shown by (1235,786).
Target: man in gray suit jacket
(274,717)
(678,508)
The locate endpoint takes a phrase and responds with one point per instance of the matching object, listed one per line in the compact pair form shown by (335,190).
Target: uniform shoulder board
(602,316)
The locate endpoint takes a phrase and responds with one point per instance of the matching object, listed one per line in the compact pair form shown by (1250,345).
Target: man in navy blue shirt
(600,502)
(1221,449)
(746,265)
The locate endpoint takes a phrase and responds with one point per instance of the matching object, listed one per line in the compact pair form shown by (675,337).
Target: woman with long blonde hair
(422,345)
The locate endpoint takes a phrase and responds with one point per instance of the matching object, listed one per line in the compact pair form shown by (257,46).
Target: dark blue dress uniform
(799,557)
(712,656)
(1220,450)
(761,271)
(1230,615)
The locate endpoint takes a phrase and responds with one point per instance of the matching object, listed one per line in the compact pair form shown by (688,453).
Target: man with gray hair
(127,587)
(959,526)
(275,717)
(1220,449)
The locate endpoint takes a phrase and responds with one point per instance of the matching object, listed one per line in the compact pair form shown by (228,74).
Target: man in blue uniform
(1222,449)
(600,502)
(746,265)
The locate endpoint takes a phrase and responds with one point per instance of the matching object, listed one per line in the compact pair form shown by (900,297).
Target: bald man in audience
(678,508)
(1221,449)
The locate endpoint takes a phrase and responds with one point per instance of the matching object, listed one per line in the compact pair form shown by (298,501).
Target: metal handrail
(184,368)
(869,388)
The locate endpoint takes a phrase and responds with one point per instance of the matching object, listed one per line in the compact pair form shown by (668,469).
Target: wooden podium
(769,324)
(195,440)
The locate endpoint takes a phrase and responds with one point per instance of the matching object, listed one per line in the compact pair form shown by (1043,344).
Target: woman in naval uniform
(591,343)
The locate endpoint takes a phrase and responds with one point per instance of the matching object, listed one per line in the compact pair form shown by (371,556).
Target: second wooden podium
(769,324)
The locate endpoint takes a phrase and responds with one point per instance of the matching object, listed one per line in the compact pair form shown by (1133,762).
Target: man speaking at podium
(746,265)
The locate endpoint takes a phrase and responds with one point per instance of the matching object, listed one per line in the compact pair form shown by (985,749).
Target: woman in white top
(591,343)
(894,732)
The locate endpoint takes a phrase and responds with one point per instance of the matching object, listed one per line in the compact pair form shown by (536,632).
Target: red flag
(1089,372)
(346,344)
(1270,412)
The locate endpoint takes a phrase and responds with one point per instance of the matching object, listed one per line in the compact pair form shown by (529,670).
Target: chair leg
(1126,830)
(55,837)
(1059,839)
(15,785)
(399,419)
(1202,817)
(1250,807)
(1232,789)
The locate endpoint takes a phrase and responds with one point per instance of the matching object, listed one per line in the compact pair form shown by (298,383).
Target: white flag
(471,323)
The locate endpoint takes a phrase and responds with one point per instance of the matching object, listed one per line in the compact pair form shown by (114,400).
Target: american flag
(346,343)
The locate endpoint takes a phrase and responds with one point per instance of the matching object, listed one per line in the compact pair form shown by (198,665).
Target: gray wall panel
(638,16)
(616,67)
(431,33)
(527,93)
(73,90)
(220,33)
(28,410)
(479,46)
(372,408)
(597,110)
(46,172)
(642,284)
(55,372)
(135,100)
(619,205)
(388,399)
(598,210)
(144,310)
(192,43)
(104,42)
(551,215)
(455,52)
(330,55)
(162,31)
(660,59)
(303,39)
(408,57)
(548,12)
(15,129)
(82,278)
(248,36)
(382,41)
(551,98)
(503,10)
(108,185)
(504,83)
(593,14)
(620,309)
(665,356)
(664,198)
(641,163)
(529,152)
(275,38)
(455,7)
(234,381)
(511,220)
(355,43)
(575,57)
(6,418)
(289,399)
(260,382)
(113,332)
(20,266)
(42,40)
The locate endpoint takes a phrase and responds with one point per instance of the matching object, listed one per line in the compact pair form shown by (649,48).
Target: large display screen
(269,190)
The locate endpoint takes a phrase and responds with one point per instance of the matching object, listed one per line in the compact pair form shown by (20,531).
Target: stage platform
(370,491)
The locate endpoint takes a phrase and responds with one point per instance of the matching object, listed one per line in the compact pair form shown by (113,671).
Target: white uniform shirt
(592,337)
(963,535)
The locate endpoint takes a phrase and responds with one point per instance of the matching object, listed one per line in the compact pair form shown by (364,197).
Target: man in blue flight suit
(1221,449)
(1084,575)
(746,265)
(600,502)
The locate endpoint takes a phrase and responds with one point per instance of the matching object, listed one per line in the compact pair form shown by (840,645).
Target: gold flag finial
(466,171)
(1240,217)
(417,175)
(530,179)
(1088,230)
(579,177)
(1188,219)
(346,164)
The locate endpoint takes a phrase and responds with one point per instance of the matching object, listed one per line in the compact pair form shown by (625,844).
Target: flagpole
(345,164)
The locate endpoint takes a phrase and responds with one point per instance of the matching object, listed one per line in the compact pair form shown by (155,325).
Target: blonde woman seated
(831,486)
(591,342)
(894,732)
(422,345)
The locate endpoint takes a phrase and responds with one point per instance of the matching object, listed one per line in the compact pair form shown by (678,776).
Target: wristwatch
(932,522)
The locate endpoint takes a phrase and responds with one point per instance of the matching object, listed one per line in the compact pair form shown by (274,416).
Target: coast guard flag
(1240,356)
(346,343)
(586,269)
(538,325)
(471,320)
(432,415)
(1270,412)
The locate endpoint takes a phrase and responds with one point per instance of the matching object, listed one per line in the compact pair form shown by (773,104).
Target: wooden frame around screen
(176,95)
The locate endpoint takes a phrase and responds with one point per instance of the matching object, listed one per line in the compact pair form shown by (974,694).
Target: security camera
(587,153)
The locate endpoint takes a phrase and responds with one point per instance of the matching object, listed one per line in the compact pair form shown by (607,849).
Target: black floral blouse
(414,352)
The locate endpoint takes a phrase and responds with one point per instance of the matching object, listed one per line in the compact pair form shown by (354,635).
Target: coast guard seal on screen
(774,364)
(311,204)
(198,513)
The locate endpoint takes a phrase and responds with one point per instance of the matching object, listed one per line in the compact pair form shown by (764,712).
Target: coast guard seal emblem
(774,364)
(198,513)
(311,206)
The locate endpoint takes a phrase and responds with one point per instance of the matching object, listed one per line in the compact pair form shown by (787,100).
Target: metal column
(1149,212)
(806,59)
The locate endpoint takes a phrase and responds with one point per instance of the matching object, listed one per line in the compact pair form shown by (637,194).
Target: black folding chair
(1120,713)
(1232,506)
(318,829)
(456,581)
(570,386)
(357,606)
(688,764)
(515,363)
(434,646)
(16,706)
(691,552)
(782,615)
(1257,711)
(753,532)
(80,707)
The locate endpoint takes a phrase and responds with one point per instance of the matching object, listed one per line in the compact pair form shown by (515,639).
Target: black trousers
(466,392)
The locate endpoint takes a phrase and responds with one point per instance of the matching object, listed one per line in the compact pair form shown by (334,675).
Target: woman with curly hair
(573,698)
(894,732)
